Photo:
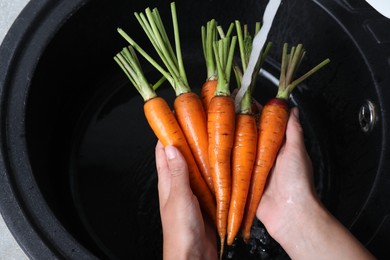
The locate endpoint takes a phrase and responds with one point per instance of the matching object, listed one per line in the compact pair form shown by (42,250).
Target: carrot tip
(222,248)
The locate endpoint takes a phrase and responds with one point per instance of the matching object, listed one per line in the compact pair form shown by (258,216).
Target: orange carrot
(220,124)
(273,121)
(207,92)
(188,106)
(221,119)
(209,36)
(244,154)
(272,126)
(245,139)
(192,119)
(165,126)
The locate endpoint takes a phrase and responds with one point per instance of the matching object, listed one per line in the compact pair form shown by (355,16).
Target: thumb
(294,132)
(179,171)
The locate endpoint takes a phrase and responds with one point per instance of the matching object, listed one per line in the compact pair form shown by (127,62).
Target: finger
(210,231)
(163,174)
(294,132)
(294,138)
(180,184)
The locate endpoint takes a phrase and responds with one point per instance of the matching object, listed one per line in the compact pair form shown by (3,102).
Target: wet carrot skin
(165,126)
(272,127)
(192,120)
(221,124)
(243,158)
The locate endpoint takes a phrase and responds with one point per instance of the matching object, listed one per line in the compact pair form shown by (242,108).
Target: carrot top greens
(245,42)
(289,67)
(209,35)
(222,33)
(129,63)
(224,53)
(153,27)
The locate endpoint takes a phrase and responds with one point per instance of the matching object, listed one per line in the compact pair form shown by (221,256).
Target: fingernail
(170,152)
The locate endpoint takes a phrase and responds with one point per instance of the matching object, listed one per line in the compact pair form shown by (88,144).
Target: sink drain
(367,116)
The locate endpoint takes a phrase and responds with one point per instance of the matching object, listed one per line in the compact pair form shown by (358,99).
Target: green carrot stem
(224,52)
(129,63)
(283,67)
(246,102)
(172,59)
(146,56)
(163,48)
(222,33)
(259,64)
(257,27)
(177,44)
(221,86)
(295,57)
(159,83)
(308,74)
(229,63)
(208,37)
(245,41)
(230,30)
(246,32)
(164,34)
(241,46)
(154,40)
(289,67)
(121,60)
(237,74)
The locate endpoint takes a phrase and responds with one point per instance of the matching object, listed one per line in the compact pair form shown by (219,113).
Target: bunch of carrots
(229,153)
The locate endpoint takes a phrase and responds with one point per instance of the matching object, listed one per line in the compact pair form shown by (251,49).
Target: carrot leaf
(208,37)
(159,83)
(222,33)
(146,55)
(245,42)
(224,52)
(241,45)
(289,67)
(172,59)
(177,43)
(129,63)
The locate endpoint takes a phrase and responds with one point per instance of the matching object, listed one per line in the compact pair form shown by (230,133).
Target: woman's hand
(290,188)
(292,212)
(186,234)
(289,208)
